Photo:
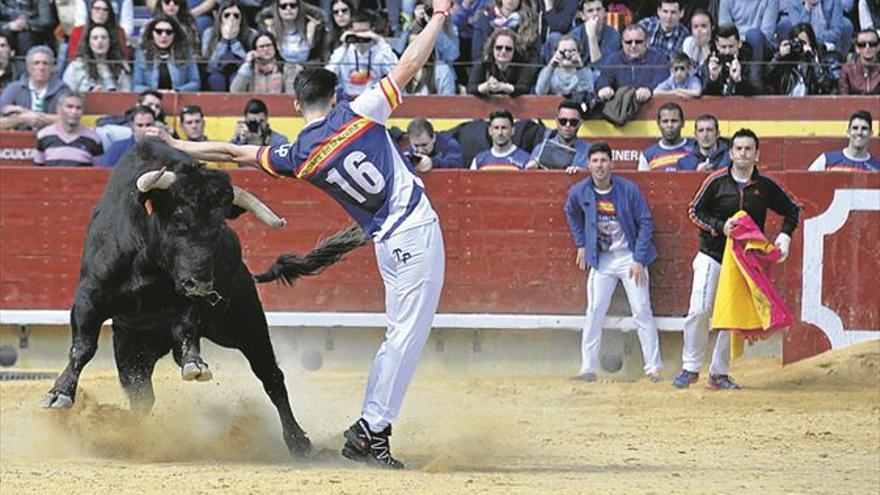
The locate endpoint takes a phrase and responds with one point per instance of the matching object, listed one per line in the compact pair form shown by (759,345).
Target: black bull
(160,261)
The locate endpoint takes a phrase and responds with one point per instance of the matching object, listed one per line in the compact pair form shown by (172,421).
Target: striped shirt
(57,148)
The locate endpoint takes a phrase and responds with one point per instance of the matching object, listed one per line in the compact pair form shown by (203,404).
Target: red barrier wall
(507,243)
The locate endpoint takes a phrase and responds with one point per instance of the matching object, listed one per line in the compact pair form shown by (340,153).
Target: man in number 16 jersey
(345,150)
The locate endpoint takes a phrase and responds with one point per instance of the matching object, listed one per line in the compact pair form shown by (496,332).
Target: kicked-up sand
(812,427)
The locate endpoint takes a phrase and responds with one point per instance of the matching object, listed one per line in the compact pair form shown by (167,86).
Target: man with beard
(568,122)
(664,155)
(503,155)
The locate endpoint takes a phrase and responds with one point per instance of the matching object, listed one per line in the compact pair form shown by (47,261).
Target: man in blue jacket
(635,65)
(612,228)
(429,150)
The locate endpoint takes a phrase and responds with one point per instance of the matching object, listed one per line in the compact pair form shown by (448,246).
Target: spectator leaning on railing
(682,82)
(565,74)
(67,143)
(100,65)
(502,72)
(518,16)
(166,58)
(255,129)
(33,98)
(192,123)
(635,66)
(862,75)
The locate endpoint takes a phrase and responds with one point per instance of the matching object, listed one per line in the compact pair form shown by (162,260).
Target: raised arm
(417,53)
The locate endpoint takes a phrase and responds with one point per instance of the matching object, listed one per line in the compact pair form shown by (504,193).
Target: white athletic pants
(412,265)
(696,325)
(614,267)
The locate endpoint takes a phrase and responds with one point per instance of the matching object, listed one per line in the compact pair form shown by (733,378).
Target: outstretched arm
(209,151)
(417,53)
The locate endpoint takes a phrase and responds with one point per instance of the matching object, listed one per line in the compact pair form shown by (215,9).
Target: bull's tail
(291,266)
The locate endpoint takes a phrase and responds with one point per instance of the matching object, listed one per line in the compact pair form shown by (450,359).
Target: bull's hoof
(56,400)
(196,370)
(299,445)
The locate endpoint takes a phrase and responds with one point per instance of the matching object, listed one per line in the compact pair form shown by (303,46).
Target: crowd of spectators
(576,49)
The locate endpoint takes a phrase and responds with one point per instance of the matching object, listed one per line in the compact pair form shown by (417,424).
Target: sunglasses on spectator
(633,42)
(165,32)
(227,15)
(285,6)
(866,44)
(169,2)
(340,11)
(569,122)
(503,48)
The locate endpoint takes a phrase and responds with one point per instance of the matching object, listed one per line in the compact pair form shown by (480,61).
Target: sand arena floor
(813,427)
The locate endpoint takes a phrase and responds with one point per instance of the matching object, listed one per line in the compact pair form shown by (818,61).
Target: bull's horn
(250,203)
(157,179)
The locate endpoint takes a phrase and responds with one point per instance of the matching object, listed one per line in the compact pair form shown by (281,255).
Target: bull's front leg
(86,318)
(186,346)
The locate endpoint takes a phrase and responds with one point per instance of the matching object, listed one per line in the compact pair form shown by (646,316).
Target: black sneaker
(363,445)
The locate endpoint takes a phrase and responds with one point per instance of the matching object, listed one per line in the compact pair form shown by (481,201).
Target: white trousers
(696,325)
(412,265)
(614,267)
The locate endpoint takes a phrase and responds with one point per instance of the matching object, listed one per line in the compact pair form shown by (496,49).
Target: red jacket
(859,79)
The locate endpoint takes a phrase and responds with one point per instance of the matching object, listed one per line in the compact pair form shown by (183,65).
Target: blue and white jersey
(660,157)
(350,155)
(512,159)
(839,161)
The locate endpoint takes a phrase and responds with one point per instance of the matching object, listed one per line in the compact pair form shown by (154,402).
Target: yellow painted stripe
(222,128)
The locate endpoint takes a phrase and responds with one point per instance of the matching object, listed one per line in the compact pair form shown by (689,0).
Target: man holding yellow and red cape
(739,187)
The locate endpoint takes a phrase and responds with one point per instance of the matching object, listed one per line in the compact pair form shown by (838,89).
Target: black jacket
(720,197)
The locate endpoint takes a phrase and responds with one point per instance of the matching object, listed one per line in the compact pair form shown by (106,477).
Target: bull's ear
(234,211)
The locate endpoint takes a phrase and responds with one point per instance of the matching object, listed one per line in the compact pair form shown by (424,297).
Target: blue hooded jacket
(632,213)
